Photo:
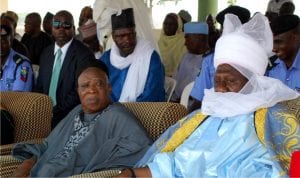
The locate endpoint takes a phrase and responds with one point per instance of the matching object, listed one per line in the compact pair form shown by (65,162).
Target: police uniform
(16,73)
(291,76)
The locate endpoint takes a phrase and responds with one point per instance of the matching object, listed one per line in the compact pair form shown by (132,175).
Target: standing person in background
(287,8)
(58,66)
(274,5)
(213,32)
(196,41)
(85,14)
(286,45)
(136,72)
(47,23)
(15,19)
(185,17)
(88,32)
(273,9)
(171,43)
(34,39)
(103,9)
(16,71)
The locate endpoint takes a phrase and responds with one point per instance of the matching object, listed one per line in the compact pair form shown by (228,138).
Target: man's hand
(138,172)
(195,105)
(23,170)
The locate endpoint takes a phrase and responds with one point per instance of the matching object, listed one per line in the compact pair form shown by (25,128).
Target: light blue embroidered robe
(228,147)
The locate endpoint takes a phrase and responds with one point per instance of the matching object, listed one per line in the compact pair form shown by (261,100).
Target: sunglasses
(58,24)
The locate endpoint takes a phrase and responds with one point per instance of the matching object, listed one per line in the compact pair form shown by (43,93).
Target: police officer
(16,71)
(286,45)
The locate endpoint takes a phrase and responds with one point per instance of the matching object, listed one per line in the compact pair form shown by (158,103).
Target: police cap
(284,23)
(241,12)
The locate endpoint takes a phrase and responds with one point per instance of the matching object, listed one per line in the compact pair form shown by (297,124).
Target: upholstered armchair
(31,112)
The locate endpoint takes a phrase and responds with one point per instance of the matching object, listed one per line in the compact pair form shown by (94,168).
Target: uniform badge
(24,73)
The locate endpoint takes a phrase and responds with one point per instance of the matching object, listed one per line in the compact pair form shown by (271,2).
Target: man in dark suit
(58,65)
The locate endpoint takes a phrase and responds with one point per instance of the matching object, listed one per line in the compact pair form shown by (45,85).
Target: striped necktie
(55,76)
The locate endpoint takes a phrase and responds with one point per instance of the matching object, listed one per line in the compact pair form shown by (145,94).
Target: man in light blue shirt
(286,32)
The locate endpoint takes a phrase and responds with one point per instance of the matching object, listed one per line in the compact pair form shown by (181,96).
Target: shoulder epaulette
(18,59)
(272,63)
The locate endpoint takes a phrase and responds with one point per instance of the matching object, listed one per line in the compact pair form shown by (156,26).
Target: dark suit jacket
(66,94)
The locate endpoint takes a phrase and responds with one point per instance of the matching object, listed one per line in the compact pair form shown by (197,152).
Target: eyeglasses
(58,24)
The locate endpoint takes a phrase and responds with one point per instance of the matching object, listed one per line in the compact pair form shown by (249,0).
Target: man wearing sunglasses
(58,66)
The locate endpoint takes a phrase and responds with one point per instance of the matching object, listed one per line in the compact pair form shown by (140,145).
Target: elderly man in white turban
(242,130)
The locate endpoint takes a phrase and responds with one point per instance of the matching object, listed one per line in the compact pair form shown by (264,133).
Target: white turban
(241,50)
(245,45)
(246,48)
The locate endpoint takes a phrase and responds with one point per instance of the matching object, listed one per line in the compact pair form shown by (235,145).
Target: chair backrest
(156,117)
(184,99)
(170,85)
(32,114)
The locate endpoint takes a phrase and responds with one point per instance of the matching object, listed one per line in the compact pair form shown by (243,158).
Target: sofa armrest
(6,149)
(31,112)
(101,174)
(8,165)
